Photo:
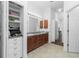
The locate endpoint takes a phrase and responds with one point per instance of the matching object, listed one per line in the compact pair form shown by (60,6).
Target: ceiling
(39,3)
(55,4)
(41,6)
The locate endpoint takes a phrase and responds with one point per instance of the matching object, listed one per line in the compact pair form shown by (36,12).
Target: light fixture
(59,10)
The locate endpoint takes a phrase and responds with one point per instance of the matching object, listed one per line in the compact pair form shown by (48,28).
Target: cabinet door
(30,43)
(41,40)
(38,40)
(45,24)
(18,47)
(10,48)
(14,48)
(35,41)
(46,38)
(41,24)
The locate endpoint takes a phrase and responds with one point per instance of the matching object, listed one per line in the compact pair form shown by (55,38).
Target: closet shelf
(14,21)
(14,16)
(14,9)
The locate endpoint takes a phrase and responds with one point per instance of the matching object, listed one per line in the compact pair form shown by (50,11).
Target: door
(74,30)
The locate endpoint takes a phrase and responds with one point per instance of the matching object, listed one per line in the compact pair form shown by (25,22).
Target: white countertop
(36,33)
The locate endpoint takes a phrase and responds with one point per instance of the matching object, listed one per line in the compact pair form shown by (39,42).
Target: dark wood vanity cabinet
(36,41)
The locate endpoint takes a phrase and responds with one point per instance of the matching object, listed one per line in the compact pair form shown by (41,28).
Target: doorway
(58,34)
(58,21)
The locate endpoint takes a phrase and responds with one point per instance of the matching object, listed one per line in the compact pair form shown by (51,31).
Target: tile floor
(51,51)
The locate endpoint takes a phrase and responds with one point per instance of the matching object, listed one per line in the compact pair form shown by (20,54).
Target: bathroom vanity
(36,39)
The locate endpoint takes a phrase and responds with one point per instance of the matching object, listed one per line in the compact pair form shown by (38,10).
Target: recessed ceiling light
(59,10)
